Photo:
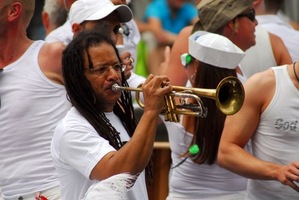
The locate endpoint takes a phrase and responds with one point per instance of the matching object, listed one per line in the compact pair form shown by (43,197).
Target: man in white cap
(105,16)
(102,15)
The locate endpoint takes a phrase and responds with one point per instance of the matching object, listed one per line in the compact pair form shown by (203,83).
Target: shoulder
(186,31)
(275,40)
(280,51)
(52,49)
(260,88)
(261,79)
(50,61)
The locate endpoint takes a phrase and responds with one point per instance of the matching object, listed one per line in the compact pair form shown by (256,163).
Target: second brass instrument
(228,96)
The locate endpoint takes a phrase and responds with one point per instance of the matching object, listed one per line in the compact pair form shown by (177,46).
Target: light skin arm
(50,61)
(142,26)
(239,128)
(162,36)
(135,154)
(175,70)
(280,51)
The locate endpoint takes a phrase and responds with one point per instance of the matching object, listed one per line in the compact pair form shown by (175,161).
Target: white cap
(89,10)
(215,49)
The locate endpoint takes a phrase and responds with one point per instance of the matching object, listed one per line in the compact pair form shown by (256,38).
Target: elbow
(221,158)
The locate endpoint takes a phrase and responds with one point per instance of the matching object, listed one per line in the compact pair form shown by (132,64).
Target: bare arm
(175,70)
(50,61)
(280,51)
(134,156)
(240,127)
(142,26)
(156,27)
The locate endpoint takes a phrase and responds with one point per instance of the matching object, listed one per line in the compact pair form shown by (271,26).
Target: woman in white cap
(194,143)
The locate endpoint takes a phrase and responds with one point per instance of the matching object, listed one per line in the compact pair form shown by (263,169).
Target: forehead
(102,53)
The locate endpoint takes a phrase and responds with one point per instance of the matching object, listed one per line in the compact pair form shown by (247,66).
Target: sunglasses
(250,15)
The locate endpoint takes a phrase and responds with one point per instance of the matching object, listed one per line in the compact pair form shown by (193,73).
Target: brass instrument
(229,98)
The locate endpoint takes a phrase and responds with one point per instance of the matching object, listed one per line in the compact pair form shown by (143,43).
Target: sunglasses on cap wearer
(249,14)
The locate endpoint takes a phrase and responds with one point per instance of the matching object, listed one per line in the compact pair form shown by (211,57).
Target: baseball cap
(215,49)
(214,14)
(89,10)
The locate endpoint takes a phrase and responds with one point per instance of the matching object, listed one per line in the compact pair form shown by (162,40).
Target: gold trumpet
(229,98)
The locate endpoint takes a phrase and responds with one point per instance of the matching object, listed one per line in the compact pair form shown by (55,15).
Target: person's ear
(77,28)
(15,10)
(233,25)
(256,2)
(236,25)
(46,21)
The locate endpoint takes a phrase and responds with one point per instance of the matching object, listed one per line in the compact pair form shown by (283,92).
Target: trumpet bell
(229,95)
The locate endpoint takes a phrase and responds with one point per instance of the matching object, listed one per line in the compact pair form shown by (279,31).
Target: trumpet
(228,96)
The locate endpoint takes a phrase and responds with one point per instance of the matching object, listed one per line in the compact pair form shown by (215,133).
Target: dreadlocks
(83,97)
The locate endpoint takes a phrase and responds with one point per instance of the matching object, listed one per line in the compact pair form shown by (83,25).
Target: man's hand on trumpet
(154,89)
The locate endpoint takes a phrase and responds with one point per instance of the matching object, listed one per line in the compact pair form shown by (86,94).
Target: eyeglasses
(104,69)
(250,15)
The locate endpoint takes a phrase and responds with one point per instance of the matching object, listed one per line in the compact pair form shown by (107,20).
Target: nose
(113,74)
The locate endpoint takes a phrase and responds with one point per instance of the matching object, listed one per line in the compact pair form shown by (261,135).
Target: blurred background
(36,29)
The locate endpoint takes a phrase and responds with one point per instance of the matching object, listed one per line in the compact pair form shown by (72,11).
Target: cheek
(96,84)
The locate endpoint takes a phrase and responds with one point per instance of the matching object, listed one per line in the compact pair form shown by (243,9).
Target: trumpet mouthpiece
(115,87)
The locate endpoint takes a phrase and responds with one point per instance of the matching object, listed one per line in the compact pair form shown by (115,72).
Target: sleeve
(82,148)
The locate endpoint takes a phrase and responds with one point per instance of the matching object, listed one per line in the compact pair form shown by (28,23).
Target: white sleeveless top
(31,106)
(259,57)
(194,181)
(277,137)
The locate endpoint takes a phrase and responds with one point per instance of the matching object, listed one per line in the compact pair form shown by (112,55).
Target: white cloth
(62,34)
(194,181)
(277,137)
(132,39)
(77,148)
(115,188)
(51,194)
(31,106)
(274,24)
(259,57)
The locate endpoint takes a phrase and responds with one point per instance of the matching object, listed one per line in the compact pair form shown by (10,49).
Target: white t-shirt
(77,148)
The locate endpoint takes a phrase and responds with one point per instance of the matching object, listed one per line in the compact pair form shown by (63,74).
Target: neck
(12,48)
